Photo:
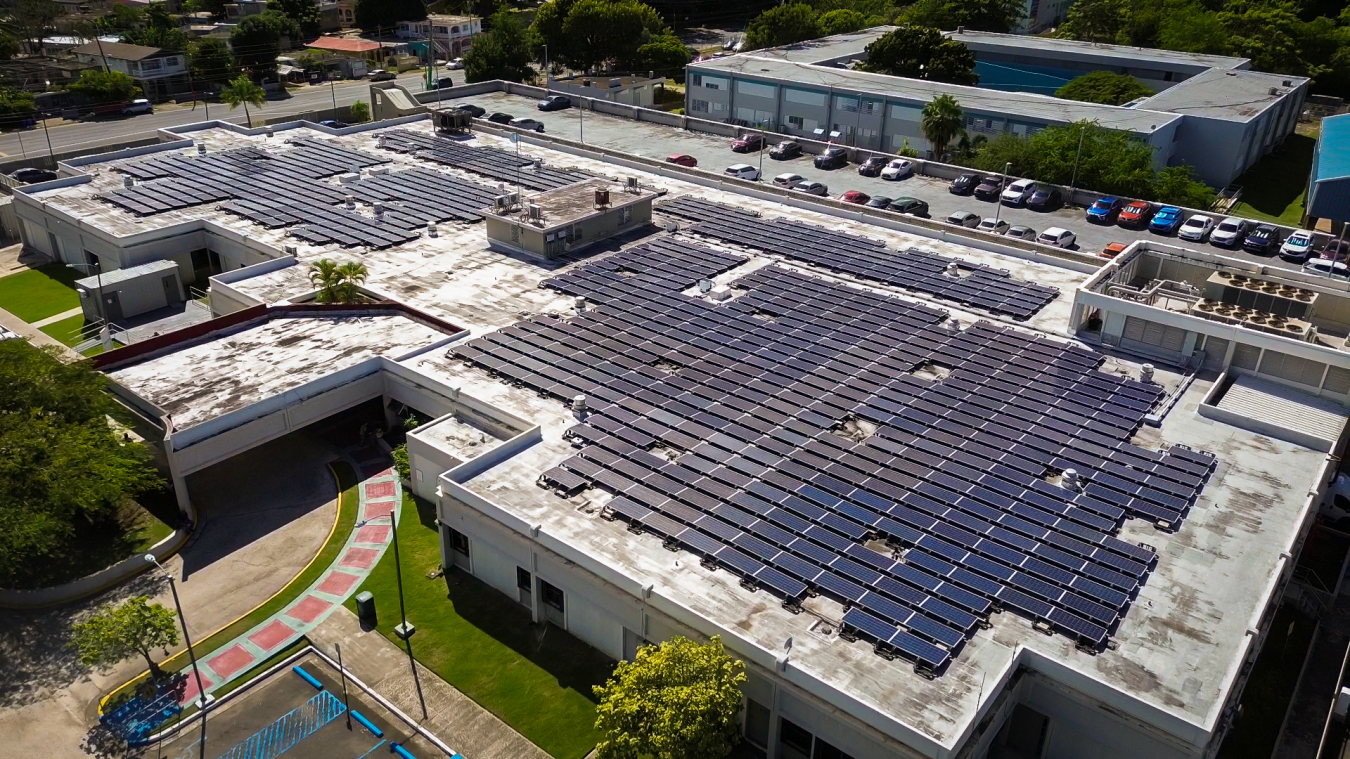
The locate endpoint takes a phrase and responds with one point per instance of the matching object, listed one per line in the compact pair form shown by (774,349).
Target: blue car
(1105,210)
(1166,220)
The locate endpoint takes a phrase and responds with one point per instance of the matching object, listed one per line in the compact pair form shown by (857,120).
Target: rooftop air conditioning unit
(633,184)
(1274,92)
(587,82)
(615,82)
(601,198)
(535,211)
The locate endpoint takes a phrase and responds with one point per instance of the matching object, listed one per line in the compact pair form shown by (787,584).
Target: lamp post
(763,145)
(404,631)
(1073,183)
(192,656)
(998,211)
(50,153)
(342,672)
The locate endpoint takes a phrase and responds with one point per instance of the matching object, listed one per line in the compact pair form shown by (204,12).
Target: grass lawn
(348,503)
(537,679)
(68,331)
(1273,189)
(1266,697)
(36,294)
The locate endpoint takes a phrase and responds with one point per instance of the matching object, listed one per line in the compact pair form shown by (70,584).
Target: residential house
(159,73)
(451,35)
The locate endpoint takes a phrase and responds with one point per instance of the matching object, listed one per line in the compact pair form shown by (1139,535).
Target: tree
(337,283)
(941,122)
(1177,185)
(1000,16)
(841,21)
(105,86)
(242,91)
(16,102)
(360,111)
(782,25)
(665,55)
(1266,32)
(372,15)
(921,52)
(114,633)
(161,30)
(679,699)
(211,60)
(1106,87)
(1193,29)
(1094,20)
(546,32)
(305,13)
(9,46)
(32,20)
(603,31)
(401,465)
(256,42)
(503,53)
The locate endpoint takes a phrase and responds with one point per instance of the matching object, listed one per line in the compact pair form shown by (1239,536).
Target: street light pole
(192,656)
(998,211)
(1082,128)
(342,672)
(763,145)
(403,630)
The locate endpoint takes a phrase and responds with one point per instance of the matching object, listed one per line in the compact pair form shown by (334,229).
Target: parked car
(334,124)
(749,143)
(682,159)
(1058,237)
(501,118)
(964,219)
(879,201)
(1135,214)
(898,168)
(963,184)
(997,226)
(990,187)
(1327,268)
(530,124)
(1045,198)
(1017,193)
(32,175)
(872,166)
(555,103)
(832,158)
(787,180)
(812,188)
(1166,220)
(911,206)
(1113,249)
(1196,228)
(1297,247)
(1261,240)
(456,64)
(382,75)
(1337,250)
(139,105)
(742,171)
(1104,210)
(785,150)
(1229,233)
(444,83)
(1022,232)
(856,197)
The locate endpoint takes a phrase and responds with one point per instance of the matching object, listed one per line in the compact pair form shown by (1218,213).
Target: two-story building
(159,73)
(452,36)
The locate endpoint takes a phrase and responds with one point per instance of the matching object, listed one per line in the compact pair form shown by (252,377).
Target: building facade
(452,36)
(159,73)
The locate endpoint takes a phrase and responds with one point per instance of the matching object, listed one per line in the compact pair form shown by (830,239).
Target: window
(826,751)
(151,64)
(710,82)
(794,737)
(867,107)
(755,89)
(757,723)
(698,106)
(523,579)
(796,122)
(625,215)
(846,104)
(459,541)
(419,475)
(907,112)
(804,97)
(552,595)
(173,61)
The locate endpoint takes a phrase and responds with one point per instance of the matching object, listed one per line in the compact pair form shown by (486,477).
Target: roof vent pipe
(128,182)
(378,208)
(953,270)
(1070,479)
(581,303)
(431,229)
(351,201)
(579,406)
(954,325)
(201,148)
(269,133)
(1146,374)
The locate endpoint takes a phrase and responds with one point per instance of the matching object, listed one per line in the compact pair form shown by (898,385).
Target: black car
(1262,240)
(472,109)
(911,206)
(555,103)
(832,158)
(31,175)
(785,150)
(872,166)
(501,118)
(444,83)
(964,184)
(1045,198)
(990,187)
(880,201)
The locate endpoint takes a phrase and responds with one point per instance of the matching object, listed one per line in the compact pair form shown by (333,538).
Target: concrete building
(533,488)
(159,73)
(1211,112)
(452,36)
(558,222)
(135,290)
(1329,183)
(629,90)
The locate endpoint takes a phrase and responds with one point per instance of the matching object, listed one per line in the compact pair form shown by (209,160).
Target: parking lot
(714,154)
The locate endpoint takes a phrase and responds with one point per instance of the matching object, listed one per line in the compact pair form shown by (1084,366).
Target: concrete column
(771,750)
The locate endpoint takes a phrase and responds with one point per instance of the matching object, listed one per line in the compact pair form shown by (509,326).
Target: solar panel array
(973,286)
(501,165)
(435,195)
(781,435)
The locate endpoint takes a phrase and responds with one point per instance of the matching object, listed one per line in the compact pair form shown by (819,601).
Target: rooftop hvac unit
(535,211)
(1274,92)
(601,198)
(615,82)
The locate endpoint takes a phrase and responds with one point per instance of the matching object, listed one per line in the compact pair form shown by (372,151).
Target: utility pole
(342,672)
(201,690)
(998,211)
(404,630)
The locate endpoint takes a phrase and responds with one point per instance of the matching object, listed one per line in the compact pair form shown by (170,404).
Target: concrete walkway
(453,717)
(34,335)
(54,319)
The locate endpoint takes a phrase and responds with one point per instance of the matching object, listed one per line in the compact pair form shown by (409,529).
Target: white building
(158,72)
(452,35)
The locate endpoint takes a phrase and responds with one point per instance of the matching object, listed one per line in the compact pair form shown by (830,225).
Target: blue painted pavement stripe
(289,730)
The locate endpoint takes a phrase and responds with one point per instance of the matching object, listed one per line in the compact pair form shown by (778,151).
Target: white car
(1058,237)
(1327,268)
(456,64)
(1298,245)
(1196,228)
(1229,232)
(787,180)
(964,219)
(1020,232)
(997,226)
(1017,193)
(743,171)
(812,188)
(897,169)
(140,105)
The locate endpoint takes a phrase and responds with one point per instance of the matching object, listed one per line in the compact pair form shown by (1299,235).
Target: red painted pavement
(231,660)
(378,510)
(271,636)
(380,489)
(373,533)
(308,609)
(337,583)
(190,692)
(360,558)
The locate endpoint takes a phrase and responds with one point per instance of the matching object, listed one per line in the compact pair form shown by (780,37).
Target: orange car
(1113,249)
(1136,213)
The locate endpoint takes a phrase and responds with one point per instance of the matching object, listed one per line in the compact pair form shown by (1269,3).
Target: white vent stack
(581,303)
(953,270)
(579,406)
(431,229)
(201,148)
(1070,480)
(1146,374)
(378,208)
(351,201)
(128,182)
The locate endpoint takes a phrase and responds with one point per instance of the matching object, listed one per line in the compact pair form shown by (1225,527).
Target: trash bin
(365,607)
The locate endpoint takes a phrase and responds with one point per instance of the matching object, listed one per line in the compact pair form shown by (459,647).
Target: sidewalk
(452,716)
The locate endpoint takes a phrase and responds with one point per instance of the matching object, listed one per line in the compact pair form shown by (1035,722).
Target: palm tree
(337,283)
(352,275)
(941,122)
(242,91)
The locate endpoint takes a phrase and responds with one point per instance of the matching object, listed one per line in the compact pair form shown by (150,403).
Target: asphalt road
(32,143)
(714,154)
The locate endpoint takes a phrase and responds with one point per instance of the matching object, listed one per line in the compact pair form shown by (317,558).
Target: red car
(1136,213)
(750,143)
(853,196)
(682,159)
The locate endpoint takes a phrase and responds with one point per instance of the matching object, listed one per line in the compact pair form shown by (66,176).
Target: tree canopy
(841,21)
(257,41)
(921,52)
(157,28)
(782,25)
(978,15)
(211,60)
(502,53)
(586,34)
(61,462)
(305,13)
(14,101)
(1106,87)
(372,15)
(115,633)
(941,122)
(243,91)
(33,20)
(105,86)
(679,699)
(337,283)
